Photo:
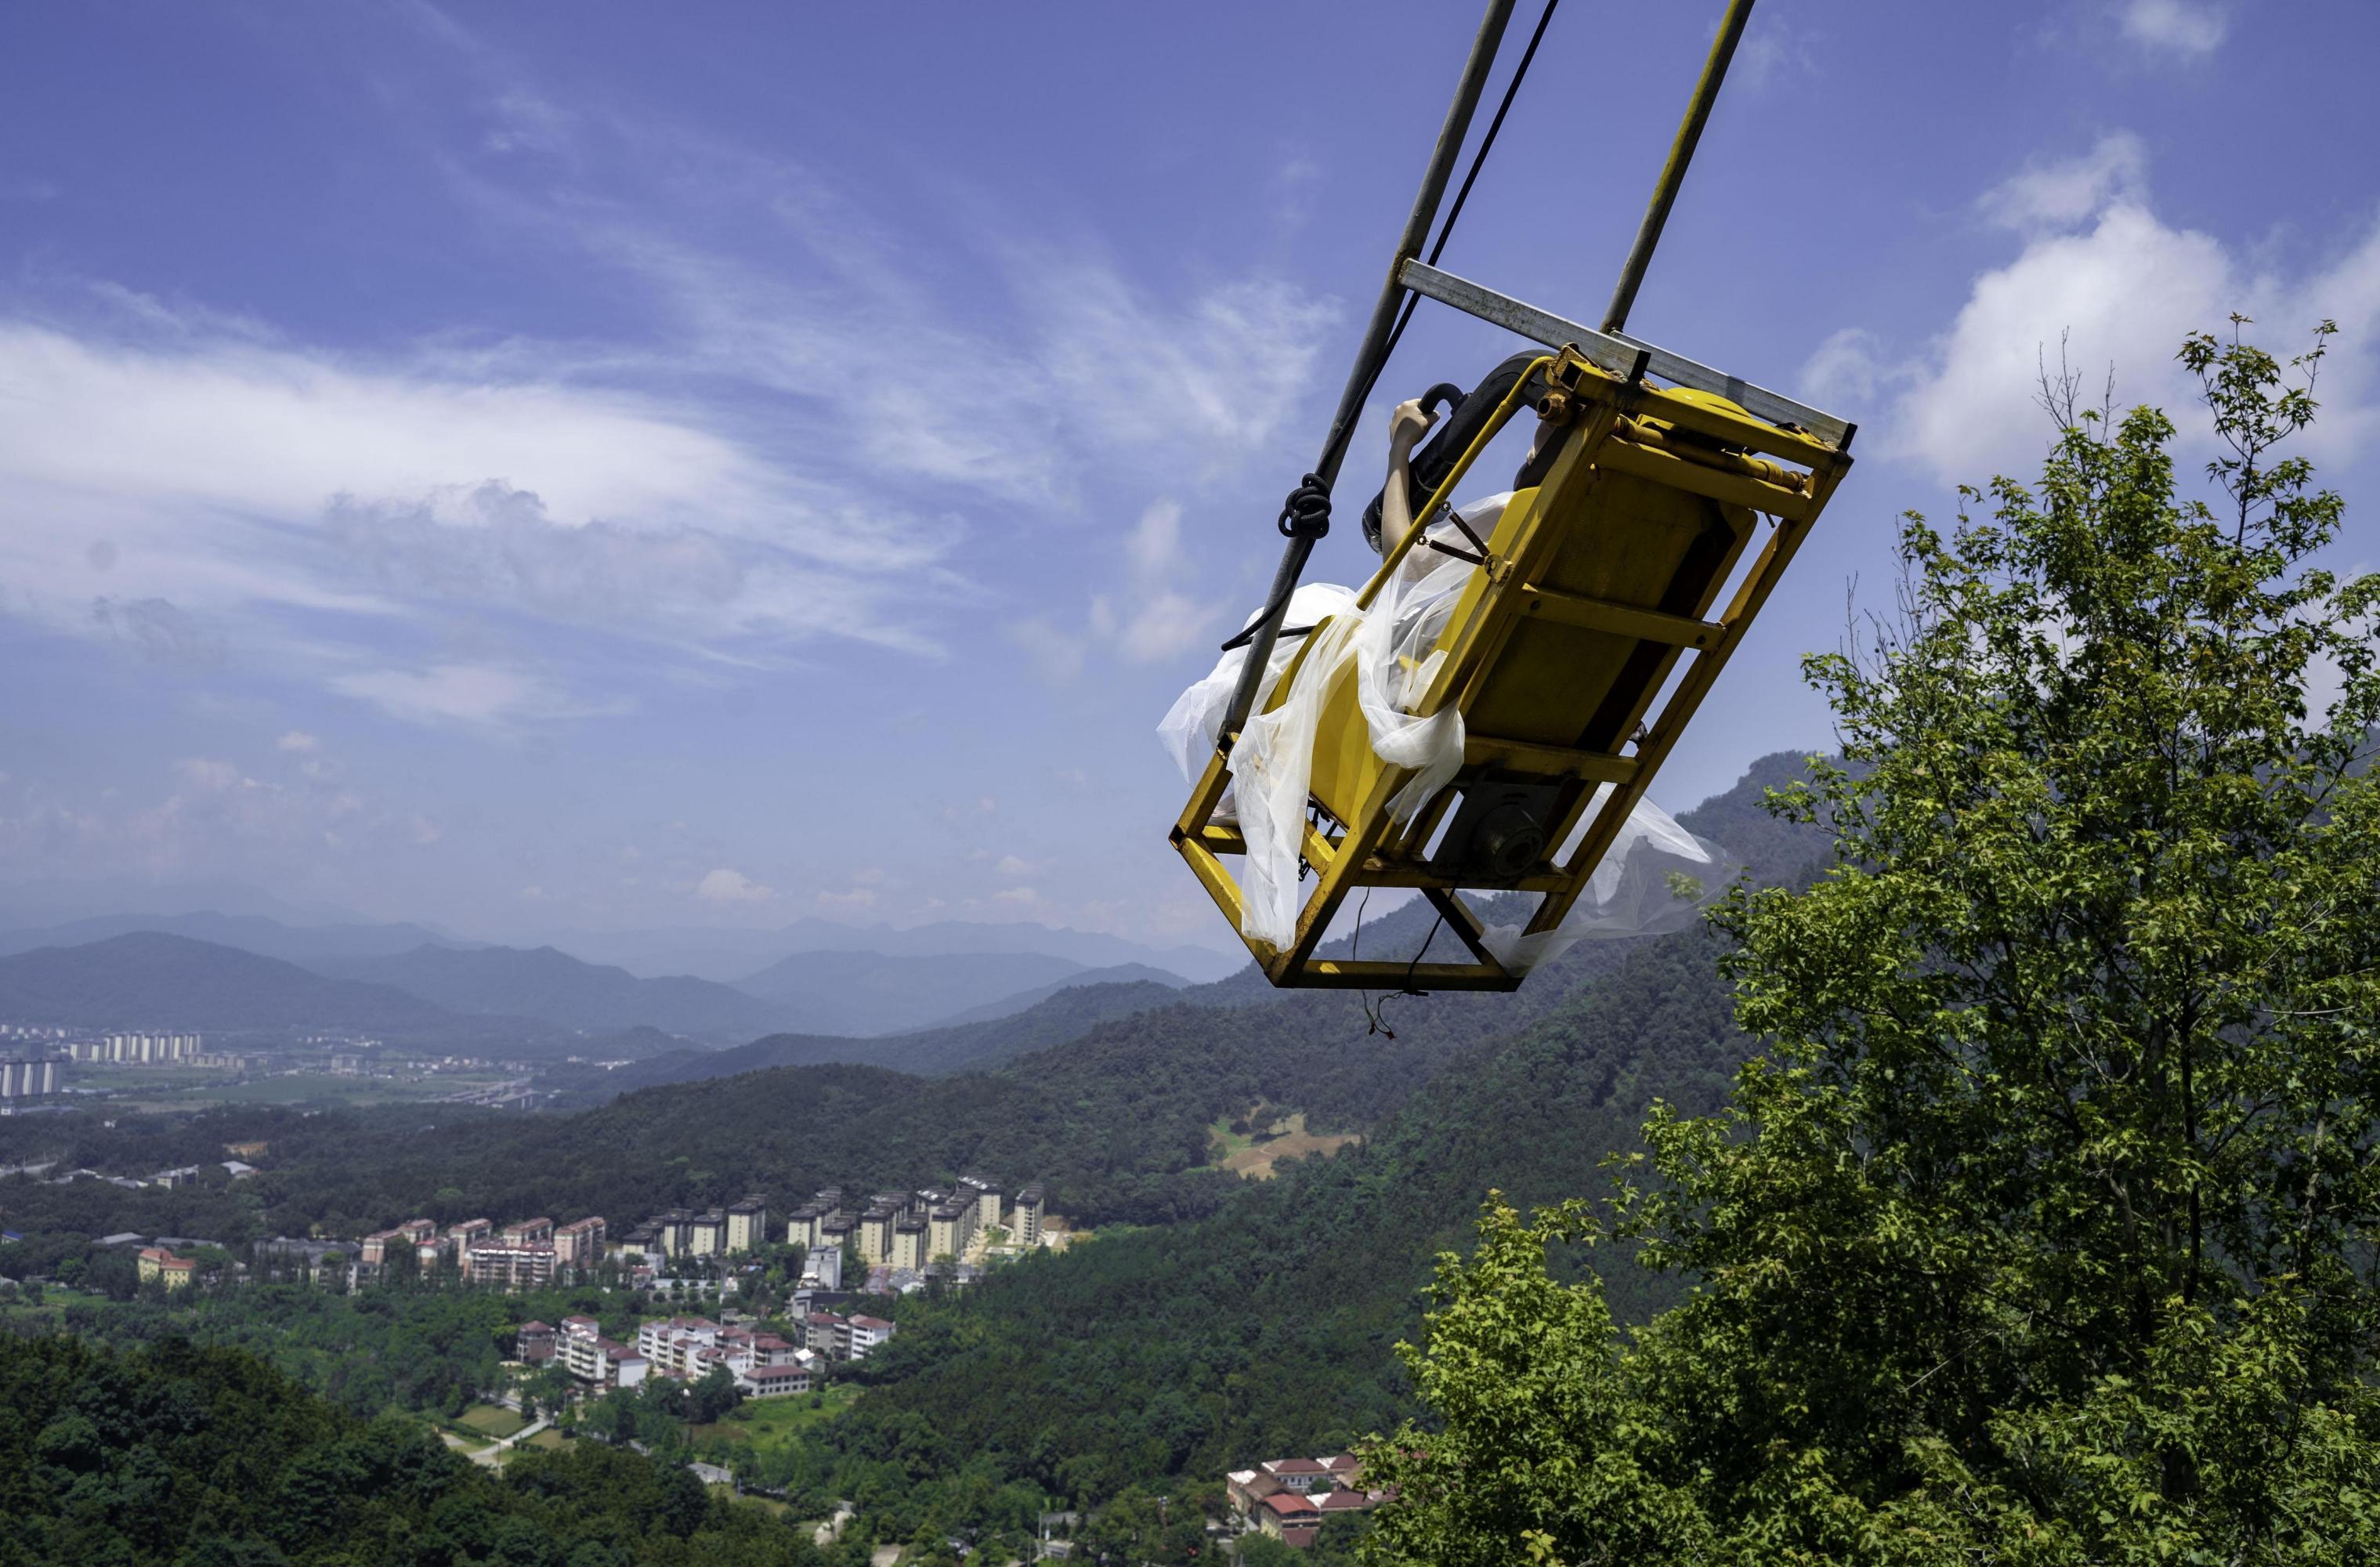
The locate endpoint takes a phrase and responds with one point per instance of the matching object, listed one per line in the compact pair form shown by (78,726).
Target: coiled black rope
(1306,512)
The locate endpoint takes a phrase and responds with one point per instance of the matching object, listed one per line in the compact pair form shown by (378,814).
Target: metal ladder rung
(1602,614)
(1548,762)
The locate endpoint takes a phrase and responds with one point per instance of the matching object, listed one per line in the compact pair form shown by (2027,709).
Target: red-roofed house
(1245,1488)
(1298,1475)
(534,1342)
(866,1332)
(1287,1509)
(161,1262)
(795,1376)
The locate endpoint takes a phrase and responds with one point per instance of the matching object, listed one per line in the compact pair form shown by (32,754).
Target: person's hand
(1408,424)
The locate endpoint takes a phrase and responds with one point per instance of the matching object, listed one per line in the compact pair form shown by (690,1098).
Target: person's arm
(1407,425)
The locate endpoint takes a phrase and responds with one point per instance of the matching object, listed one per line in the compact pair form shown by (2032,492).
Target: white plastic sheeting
(1393,647)
(1655,878)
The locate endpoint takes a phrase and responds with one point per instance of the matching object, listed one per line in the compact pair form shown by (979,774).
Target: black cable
(1355,949)
(1446,229)
(1291,507)
(1378,1016)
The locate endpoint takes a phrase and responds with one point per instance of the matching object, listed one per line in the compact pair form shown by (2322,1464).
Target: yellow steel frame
(1616,424)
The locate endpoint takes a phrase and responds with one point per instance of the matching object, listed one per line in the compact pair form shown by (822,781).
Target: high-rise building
(949,1229)
(876,1229)
(1028,1215)
(462,1238)
(909,1245)
(579,1244)
(28,1079)
(510,1266)
(986,1197)
(748,1225)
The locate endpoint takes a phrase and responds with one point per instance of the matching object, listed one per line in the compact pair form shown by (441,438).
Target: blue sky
(534,467)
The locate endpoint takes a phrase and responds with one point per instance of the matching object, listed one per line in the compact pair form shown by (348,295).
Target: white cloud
(1773,45)
(857,897)
(298,740)
(2104,281)
(1165,626)
(2063,192)
(725,886)
(1024,897)
(471,696)
(1846,369)
(159,630)
(1056,654)
(219,487)
(1011,865)
(212,819)
(2180,26)
(526,123)
(1150,619)
(1153,547)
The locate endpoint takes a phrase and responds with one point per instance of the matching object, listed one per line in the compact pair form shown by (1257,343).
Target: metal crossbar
(1616,351)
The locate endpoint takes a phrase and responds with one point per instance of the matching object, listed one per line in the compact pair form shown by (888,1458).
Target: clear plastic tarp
(1655,877)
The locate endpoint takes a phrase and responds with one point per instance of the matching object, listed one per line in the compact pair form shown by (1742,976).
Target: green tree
(2044,1231)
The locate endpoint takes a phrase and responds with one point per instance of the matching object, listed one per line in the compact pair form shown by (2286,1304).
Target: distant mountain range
(732,954)
(150,979)
(861,993)
(974,1046)
(249,932)
(511,994)
(1123,974)
(544,983)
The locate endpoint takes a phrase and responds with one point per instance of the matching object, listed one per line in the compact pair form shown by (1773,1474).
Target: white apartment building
(690,1348)
(866,1332)
(596,1360)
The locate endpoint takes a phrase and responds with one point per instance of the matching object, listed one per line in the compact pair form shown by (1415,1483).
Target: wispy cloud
(2186,27)
(469,695)
(805,428)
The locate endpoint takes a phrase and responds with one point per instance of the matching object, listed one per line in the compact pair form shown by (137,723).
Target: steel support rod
(1673,173)
(1450,137)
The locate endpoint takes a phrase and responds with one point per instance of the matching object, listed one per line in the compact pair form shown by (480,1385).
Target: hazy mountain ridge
(976,1046)
(731,954)
(150,979)
(1121,974)
(544,983)
(248,933)
(853,993)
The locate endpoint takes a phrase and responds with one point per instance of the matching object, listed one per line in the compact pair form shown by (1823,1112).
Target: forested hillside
(1266,1328)
(1214,1321)
(966,1047)
(209,1458)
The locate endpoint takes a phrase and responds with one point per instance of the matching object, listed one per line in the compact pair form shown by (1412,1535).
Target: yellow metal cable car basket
(1596,585)
(1592,600)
